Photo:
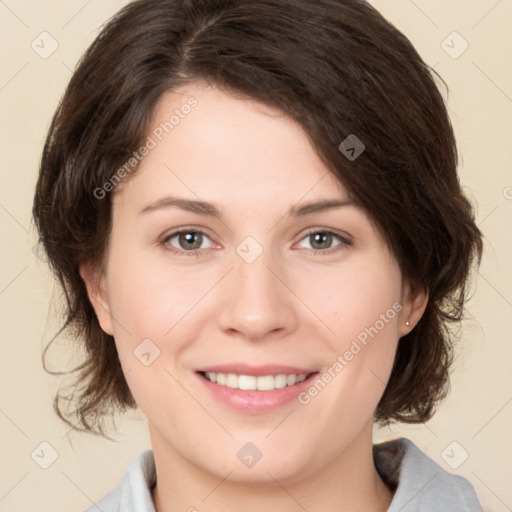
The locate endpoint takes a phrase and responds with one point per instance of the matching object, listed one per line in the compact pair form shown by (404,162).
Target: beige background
(477,416)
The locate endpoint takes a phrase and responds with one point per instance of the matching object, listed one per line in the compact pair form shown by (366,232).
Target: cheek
(147,298)
(146,304)
(359,297)
(362,306)
(152,303)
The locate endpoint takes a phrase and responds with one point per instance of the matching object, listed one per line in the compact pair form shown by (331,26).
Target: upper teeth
(250,382)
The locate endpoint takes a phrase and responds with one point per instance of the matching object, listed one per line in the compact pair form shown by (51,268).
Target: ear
(95,284)
(414,302)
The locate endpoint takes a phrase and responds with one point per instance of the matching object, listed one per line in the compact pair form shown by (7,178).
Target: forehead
(214,145)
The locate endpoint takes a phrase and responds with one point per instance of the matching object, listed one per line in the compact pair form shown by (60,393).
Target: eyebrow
(209,209)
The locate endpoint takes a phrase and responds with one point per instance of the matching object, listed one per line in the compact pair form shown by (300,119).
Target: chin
(269,468)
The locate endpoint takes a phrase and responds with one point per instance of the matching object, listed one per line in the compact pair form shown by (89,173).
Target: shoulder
(133,494)
(421,485)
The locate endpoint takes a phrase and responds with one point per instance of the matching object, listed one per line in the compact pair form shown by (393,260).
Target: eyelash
(316,252)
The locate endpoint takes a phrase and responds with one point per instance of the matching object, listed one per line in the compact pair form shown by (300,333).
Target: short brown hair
(338,68)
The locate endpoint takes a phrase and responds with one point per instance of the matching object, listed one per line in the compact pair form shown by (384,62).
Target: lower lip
(256,401)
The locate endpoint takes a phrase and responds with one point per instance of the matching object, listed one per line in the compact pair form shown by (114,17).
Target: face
(247,324)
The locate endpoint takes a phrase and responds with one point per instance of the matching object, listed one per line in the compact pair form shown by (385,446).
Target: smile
(254,383)
(255,390)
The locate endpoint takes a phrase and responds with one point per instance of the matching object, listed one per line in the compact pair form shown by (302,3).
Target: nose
(256,300)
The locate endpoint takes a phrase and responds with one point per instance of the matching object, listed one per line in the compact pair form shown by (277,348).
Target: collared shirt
(421,485)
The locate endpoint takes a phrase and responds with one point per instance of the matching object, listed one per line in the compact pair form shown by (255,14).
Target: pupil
(188,238)
(319,236)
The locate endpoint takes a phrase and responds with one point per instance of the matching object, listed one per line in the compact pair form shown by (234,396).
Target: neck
(348,482)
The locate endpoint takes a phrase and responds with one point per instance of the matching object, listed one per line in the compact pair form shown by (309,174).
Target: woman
(254,210)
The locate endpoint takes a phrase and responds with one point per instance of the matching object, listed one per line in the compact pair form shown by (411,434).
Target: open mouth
(255,383)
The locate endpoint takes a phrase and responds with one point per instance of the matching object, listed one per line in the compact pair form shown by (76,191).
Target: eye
(185,242)
(320,241)
(190,242)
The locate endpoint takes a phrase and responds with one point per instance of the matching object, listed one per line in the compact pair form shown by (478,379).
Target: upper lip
(245,369)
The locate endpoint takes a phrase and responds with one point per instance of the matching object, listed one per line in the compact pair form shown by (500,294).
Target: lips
(255,389)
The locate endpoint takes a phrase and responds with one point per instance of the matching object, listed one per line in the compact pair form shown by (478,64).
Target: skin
(292,305)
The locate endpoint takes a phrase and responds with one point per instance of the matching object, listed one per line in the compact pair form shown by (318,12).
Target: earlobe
(94,282)
(415,304)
